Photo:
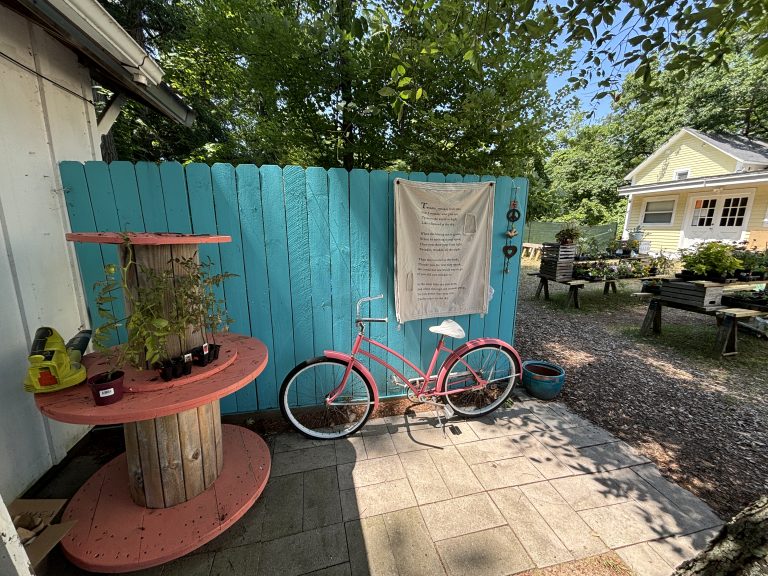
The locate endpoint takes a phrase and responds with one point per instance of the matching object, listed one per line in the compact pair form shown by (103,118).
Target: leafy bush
(711,258)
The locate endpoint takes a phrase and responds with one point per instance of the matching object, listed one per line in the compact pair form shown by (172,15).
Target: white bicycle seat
(448,328)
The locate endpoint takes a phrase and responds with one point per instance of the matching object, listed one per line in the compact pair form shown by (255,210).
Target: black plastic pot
(199,357)
(214,349)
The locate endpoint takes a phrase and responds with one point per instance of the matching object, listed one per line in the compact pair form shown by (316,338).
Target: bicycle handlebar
(368,299)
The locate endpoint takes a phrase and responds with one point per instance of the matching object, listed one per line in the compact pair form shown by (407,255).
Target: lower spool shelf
(115,535)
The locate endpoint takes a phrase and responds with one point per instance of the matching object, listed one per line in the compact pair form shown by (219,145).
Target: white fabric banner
(442,248)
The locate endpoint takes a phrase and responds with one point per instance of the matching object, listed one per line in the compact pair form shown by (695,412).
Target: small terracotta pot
(106,391)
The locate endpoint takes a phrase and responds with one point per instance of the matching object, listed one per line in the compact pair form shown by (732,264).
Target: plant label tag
(188,357)
(205,348)
(107,392)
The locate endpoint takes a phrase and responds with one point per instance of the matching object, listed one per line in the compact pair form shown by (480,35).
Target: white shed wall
(45,117)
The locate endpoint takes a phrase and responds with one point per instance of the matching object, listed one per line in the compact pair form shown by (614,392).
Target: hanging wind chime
(513,215)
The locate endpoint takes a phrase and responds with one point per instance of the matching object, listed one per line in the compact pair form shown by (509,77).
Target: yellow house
(699,187)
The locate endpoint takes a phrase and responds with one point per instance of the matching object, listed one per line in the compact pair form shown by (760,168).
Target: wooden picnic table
(573,288)
(726,341)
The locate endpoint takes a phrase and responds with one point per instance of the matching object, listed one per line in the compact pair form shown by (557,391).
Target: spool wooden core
(159,258)
(174,458)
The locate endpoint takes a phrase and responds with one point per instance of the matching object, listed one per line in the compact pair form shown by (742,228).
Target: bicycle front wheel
(490,363)
(304,399)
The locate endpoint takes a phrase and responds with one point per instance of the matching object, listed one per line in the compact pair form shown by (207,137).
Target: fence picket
(307,243)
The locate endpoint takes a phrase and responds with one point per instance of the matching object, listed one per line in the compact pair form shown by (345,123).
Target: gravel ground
(703,421)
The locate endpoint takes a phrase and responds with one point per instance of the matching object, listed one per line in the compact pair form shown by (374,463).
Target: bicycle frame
(426,377)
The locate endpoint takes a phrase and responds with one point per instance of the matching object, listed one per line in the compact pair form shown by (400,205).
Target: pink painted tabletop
(75,405)
(146,238)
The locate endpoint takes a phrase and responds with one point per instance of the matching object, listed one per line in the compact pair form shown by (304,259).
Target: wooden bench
(726,341)
(573,288)
(531,250)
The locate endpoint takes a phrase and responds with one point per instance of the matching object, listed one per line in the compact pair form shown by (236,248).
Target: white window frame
(687,174)
(671,224)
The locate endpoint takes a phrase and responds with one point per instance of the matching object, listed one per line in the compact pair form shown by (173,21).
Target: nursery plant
(711,259)
(569,234)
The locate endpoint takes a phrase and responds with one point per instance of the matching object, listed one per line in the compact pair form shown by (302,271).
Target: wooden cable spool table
(184,478)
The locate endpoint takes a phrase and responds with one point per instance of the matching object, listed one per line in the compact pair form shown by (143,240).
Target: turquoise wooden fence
(306,244)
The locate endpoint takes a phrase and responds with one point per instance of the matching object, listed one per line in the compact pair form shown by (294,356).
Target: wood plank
(360,247)
(104,208)
(150,463)
(256,277)
(126,190)
(412,330)
(191,453)
(395,336)
(320,259)
(207,443)
(203,217)
(235,291)
(135,475)
(507,318)
(175,197)
(380,268)
(275,236)
(216,424)
(81,219)
(428,340)
(502,195)
(741,312)
(476,323)
(169,455)
(296,214)
(151,196)
(341,303)
(462,320)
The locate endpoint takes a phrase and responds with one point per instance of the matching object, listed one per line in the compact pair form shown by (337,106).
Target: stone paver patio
(529,486)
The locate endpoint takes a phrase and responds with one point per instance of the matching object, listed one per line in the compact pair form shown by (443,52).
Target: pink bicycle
(333,395)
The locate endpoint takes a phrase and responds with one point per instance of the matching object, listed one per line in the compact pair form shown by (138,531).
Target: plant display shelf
(184,478)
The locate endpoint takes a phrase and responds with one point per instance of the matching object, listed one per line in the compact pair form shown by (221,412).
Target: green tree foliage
(434,87)
(591,161)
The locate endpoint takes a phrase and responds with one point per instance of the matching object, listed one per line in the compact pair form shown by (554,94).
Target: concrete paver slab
(644,561)
(500,448)
(338,570)
(680,497)
(543,459)
(577,437)
(242,560)
(563,520)
(364,501)
(371,471)
(420,439)
(461,516)
(294,441)
(284,506)
(304,552)
(494,552)
(425,480)
(605,488)
(304,459)
(630,523)
(460,432)
(379,445)
(412,421)
(455,472)
(538,539)
(245,531)
(194,565)
(322,504)
(414,554)
(678,549)
(369,549)
(350,449)
(600,458)
(503,473)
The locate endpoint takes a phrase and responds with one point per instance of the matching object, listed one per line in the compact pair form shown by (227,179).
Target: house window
(704,212)
(733,211)
(682,174)
(659,212)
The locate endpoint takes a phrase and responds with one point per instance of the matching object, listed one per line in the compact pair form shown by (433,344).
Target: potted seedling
(712,260)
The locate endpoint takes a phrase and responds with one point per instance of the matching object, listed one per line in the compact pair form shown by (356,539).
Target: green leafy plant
(714,258)
(662,263)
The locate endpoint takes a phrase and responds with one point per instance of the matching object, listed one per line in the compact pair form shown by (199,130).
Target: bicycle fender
(467,346)
(333,355)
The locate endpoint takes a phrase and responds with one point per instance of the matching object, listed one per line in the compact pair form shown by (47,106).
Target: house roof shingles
(740,147)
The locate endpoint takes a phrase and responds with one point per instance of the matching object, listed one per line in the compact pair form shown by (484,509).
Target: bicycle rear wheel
(489,362)
(304,393)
